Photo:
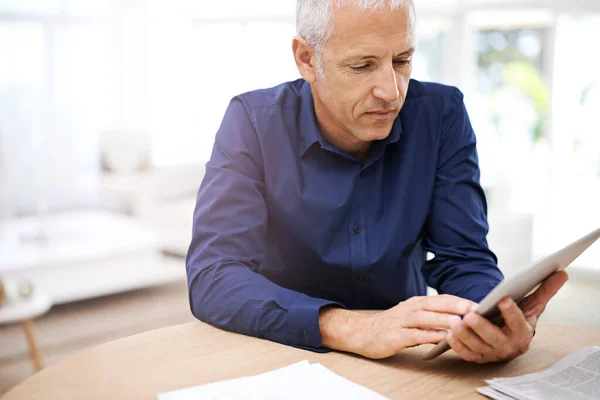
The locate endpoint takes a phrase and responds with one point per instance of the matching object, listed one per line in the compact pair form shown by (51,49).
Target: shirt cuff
(303,318)
(476,292)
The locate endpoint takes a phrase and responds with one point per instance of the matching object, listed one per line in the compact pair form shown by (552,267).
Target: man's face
(367,66)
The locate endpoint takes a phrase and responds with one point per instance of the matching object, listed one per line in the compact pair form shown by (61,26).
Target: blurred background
(108,111)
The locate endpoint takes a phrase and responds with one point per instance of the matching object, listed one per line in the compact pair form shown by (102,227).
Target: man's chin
(378,131)
(371,136)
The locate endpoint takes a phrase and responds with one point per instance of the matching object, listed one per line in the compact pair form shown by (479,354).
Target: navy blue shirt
(286,223)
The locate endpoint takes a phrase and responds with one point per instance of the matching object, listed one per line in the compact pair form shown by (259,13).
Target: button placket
(357,228)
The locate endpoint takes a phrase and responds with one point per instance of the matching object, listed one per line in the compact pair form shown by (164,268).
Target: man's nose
(386,86)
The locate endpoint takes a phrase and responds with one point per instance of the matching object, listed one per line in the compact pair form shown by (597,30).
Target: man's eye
(360,67)
(402,62)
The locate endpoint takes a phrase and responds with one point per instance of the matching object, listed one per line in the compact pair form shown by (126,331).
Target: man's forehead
(356,53)
(373,44)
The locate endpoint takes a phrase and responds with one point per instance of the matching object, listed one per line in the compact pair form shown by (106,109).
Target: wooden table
(140,366)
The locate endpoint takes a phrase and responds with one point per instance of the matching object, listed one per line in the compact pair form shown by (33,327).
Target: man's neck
(363,155)
(337,136)
(359,149)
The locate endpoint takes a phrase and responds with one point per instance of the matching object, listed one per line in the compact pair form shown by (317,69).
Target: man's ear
(305,58)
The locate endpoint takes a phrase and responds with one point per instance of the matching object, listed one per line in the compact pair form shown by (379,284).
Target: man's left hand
(478,340)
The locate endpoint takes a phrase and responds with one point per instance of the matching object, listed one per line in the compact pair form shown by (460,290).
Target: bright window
(432,41)
(57,93)
(196,68)
(511,111)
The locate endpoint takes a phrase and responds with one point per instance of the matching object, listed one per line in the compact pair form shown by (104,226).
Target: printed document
(575,377)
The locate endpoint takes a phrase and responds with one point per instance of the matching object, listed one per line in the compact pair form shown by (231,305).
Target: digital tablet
(522,283)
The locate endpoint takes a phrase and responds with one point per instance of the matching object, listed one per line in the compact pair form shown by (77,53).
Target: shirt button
(356,229)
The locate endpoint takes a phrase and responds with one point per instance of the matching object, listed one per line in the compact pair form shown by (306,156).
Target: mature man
(323,195)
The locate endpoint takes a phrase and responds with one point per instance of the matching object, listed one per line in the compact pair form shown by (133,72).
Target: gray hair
(314,19)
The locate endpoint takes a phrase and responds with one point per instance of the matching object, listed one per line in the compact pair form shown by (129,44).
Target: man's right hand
(416,321)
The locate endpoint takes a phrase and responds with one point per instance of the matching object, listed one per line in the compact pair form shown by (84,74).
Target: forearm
(342,329)
(233,297)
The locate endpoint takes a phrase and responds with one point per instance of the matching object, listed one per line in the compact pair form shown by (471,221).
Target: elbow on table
(198,296)
(208,301)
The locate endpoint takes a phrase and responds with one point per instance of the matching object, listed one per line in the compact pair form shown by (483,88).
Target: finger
(415,337)
(532,321)
(446,303)
(546,291)
(470,339)
(514,318)
(488,332)
(463,351)
(429,319)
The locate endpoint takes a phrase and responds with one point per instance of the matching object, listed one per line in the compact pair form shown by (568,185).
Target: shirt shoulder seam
(254,108)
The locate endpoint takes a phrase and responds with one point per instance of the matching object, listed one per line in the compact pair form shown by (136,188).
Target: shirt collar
(396,131)
(309,129)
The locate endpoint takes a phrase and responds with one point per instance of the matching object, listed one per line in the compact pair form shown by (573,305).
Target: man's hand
(478,340)
(416,321)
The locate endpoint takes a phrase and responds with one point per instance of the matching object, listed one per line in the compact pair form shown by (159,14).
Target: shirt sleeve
(228,244)
(457,224)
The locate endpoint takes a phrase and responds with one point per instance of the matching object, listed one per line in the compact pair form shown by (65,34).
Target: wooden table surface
(140,366)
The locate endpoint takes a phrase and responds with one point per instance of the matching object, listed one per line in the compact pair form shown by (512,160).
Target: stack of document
(297,381)
(575,377)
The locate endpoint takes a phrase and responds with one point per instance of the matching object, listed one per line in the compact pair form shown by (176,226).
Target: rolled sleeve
(303,317)
(474,291)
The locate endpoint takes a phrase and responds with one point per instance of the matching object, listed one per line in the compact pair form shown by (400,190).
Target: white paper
(494,394)
(297,381)
(575,377)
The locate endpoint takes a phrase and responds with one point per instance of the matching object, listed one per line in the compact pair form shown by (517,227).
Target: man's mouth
(382,114)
